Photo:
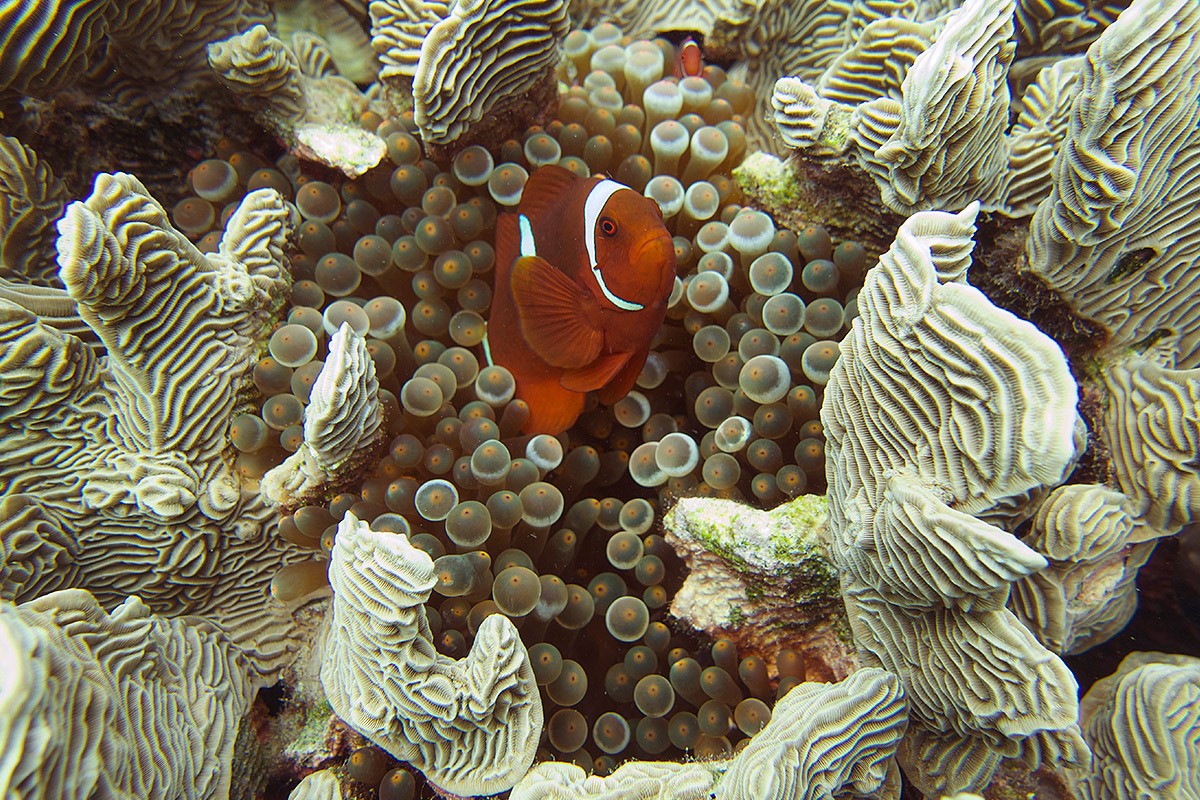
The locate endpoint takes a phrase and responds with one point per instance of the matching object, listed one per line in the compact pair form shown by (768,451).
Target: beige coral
(341,424)
(151,47)
(1143,724)
(823,740)
(945,416)
(483,53)
(31,199)
(1117,236)
(127,704)
(117,464)
(470,725)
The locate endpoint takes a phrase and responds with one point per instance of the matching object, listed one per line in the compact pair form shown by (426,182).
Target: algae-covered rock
(762,578)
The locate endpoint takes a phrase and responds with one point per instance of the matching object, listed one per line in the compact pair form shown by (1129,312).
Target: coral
(1115,237)
(118,463)
(476,59)
(315,111)
(150,48)
(398,29)
(921,107)
(947,147)
(341,423)
(761,579)
(320,785)
(258,65)
(471,725)
(31,198)
(978,418)
(1037,135)
(338,25)
(824,740)
(1095,547)
(1152,428)
(473,59)
(1143,724)
(126,703)
(1058,26)
(634,780)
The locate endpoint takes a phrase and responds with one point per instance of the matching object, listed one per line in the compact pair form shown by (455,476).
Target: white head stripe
(528,245)
(596,200)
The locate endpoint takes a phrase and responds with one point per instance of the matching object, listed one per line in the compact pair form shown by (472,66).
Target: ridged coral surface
(470,725)
(943,406)
(1116,237)
(482,53)
(31,199)
(1143,724)
(120,704)
(118,462)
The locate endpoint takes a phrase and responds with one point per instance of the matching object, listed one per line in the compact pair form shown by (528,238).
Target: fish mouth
(660,246)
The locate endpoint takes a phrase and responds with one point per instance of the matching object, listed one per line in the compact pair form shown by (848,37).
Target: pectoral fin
(552,310)
(595,375)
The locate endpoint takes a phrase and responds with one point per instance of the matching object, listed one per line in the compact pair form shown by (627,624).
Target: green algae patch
(769,180)
(782,547)
(313,733)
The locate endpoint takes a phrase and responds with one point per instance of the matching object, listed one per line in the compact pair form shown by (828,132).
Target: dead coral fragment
(314,111)
(761,578)
(470,725)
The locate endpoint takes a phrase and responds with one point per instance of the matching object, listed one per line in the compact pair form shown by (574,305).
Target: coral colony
(668,400)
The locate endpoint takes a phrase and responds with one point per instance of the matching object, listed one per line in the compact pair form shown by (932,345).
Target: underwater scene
(600,399)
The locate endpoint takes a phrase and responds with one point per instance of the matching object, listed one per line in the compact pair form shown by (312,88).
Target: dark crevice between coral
(80,136)
(999,270)
(1167,619)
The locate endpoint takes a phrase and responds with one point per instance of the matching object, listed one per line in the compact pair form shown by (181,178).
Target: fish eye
(608,227)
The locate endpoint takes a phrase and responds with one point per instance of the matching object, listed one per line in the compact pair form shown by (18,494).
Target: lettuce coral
(470,725)
(119,461)
(988,425)
(124,704)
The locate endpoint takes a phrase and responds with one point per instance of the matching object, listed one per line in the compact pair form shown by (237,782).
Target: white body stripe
(528,245)
(487,348)
(596,200)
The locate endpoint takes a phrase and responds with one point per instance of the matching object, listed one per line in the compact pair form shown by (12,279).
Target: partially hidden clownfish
(689,60)
(584,269)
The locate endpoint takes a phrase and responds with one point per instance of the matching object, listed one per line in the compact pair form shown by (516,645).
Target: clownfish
(689,60)
(584,269)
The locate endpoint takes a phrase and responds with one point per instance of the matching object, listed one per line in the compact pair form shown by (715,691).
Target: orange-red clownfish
(583,273)
(689,61)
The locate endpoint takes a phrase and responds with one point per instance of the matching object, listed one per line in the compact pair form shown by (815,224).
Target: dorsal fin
(545,189)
